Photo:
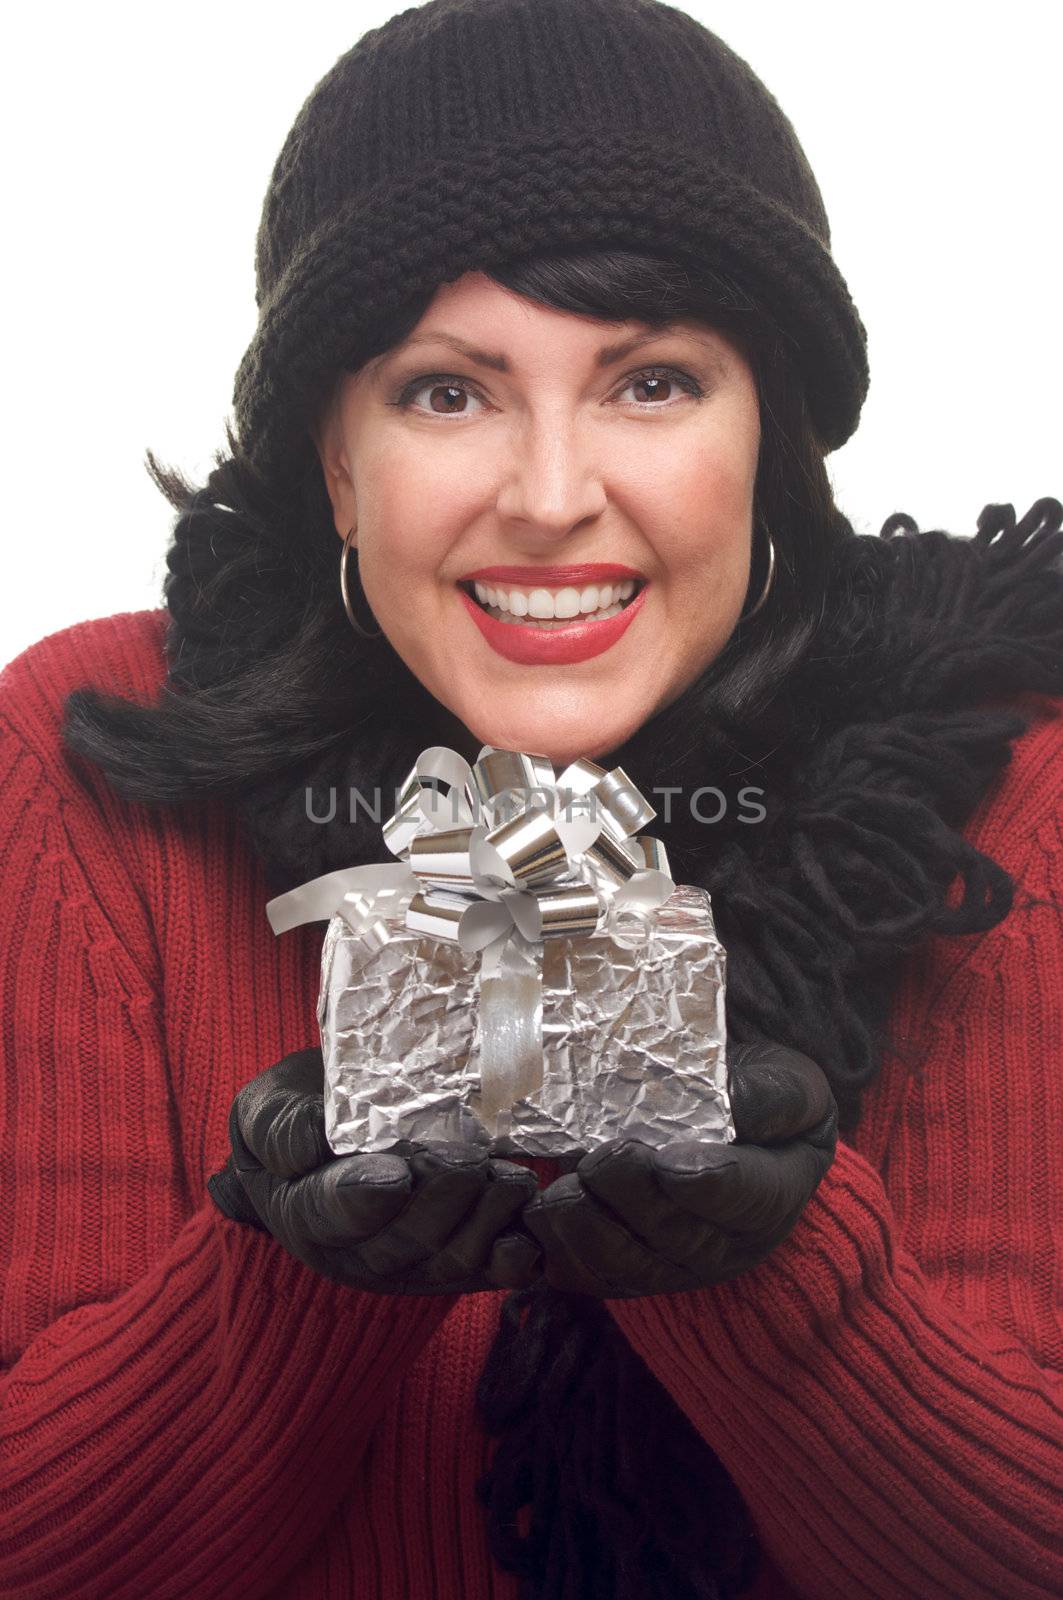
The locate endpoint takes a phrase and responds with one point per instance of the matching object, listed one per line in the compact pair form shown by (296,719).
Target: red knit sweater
(188,1411)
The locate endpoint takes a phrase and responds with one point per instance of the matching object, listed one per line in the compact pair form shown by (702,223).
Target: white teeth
(554,608)
(548,622)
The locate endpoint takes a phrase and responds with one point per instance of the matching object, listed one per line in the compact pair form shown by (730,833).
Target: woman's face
(591,482)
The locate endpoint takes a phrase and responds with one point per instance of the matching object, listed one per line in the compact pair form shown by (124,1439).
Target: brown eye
(450,394)
(653,388)
(656,390)
(447,396)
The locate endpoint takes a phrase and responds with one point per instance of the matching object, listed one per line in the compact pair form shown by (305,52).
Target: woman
(238,1364)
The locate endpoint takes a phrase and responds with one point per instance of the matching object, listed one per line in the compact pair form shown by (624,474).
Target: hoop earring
(351,618)
(767,583)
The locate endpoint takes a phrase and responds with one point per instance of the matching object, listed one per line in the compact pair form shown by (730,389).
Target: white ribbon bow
(556,858)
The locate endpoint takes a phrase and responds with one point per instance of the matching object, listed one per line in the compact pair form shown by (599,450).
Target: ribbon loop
(443,859)
(530,848)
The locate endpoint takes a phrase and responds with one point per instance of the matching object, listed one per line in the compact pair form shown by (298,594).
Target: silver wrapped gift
(529,980)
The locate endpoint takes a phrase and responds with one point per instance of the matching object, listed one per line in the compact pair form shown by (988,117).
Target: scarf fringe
(580,1416)
(975,617)
(856,869)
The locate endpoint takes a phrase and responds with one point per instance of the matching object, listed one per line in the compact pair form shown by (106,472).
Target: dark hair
(264,670)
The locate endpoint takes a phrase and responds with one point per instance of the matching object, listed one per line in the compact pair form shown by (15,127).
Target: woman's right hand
(435,1222)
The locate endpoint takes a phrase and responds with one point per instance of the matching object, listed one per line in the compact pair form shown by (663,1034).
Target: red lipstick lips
(539,647)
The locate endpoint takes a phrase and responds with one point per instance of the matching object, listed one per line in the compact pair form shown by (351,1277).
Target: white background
(139,142)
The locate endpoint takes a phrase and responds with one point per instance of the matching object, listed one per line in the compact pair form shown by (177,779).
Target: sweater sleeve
(182,1403)
(895,1425)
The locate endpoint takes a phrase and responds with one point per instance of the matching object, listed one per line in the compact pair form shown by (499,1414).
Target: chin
(559,745)
(562,713)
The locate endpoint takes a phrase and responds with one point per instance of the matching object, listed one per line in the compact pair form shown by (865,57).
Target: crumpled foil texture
(634,1040)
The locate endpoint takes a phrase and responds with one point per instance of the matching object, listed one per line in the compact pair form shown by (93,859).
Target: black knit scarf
(871,756)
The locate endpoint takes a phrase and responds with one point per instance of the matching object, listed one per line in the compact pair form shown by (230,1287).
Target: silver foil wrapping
(633,1039)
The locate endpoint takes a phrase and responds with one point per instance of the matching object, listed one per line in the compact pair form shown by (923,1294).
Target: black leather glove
(632,1220)
(432,1220)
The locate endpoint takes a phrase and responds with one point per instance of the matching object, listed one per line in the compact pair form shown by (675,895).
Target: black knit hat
(463,133)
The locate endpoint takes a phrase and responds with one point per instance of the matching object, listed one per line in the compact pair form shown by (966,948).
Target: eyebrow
(498,363)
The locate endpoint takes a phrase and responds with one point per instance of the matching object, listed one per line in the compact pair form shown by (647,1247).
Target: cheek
(700,508)
(411,507)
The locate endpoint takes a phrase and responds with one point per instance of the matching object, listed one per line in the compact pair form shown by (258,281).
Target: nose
(550,487)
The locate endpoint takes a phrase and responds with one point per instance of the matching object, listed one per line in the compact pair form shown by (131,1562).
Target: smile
(556,615)
(554,608)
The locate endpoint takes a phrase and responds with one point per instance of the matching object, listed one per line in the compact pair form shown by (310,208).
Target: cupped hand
(441,1218)
(632,1220)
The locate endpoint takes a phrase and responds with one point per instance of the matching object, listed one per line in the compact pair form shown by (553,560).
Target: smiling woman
(529,449)
(553,450)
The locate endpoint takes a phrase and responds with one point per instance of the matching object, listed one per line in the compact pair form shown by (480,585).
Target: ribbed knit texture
(464,133)
(189,1412)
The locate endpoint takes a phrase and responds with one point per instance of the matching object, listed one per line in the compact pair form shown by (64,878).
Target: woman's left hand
(633,1220)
